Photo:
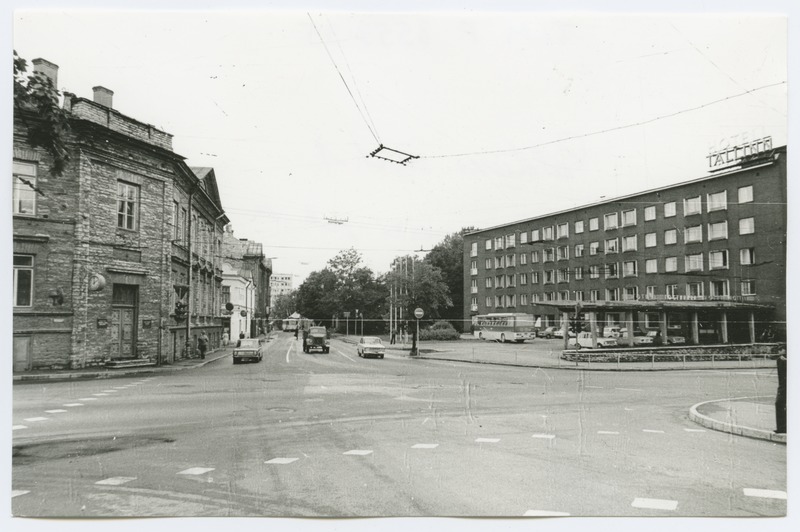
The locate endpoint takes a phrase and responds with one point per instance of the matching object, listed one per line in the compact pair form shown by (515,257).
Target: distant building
(280,283)
(246,259)
(704,258)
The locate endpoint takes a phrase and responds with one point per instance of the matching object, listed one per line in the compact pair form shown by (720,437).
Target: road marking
(628,409)
(120,387)
(653,431)
(99,394)
(17,427)
(596,387)
(36,419)
(654,504)
(544,436)
(289,351)
(358,452)
(115,481)
(58,411)
(487,440)
(765,494)
(694,430)
(196,471)
(73,404)
(544,513)
(607,432)
(345,356)
(281,460)
(88,399)
(17,493)
(425,446)
(629,389)
(110,391)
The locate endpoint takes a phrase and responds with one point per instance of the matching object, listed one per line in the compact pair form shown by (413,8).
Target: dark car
(316,338)
(247,349)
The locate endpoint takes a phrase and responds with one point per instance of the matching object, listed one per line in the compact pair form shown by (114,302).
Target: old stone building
(104,251)
(246,260)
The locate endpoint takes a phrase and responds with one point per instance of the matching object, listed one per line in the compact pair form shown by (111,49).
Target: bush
(441,330)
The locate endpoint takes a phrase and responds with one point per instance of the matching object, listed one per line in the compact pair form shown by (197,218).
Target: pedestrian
(658,340)
(295,332)
(239,341)
(202,344)
(225,337)
(392,339)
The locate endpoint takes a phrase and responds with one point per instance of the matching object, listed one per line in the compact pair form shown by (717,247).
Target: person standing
(394,334)
(202,344)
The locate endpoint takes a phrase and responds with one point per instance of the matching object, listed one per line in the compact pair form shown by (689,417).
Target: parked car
(370,346)
(547,332)
(639,338)
(316,338)
(248,349)
(672,339)
(559,333)
(584,339)
(612,331)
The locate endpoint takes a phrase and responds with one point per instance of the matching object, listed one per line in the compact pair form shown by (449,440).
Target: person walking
(202,344)
(392,339)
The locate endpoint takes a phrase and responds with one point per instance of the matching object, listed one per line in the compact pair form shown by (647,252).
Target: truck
(316,337)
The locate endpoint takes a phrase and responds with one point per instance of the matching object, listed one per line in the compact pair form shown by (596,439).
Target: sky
(508,112)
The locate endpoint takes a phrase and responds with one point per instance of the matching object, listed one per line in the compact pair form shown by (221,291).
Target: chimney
(103,96)
(47,69)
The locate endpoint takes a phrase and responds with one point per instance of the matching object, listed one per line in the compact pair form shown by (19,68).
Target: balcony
(473,271)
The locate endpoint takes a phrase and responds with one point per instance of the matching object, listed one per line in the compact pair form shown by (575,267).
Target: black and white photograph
(414,260)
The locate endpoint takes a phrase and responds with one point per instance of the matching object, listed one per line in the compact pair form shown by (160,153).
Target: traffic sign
(418,313)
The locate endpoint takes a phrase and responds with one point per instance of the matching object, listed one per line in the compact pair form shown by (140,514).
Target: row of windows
(717,260)
(691,206)
(716,288)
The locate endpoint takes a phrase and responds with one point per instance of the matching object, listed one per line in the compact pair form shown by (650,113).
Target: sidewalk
(753,417)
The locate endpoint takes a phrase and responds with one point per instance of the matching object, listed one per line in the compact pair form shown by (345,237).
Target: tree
(284,305)
(36,105)
(448,256)
(316,296)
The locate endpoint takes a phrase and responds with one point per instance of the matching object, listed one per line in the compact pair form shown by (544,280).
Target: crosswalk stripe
(654,504)
(281,461)
(115,481)
(765,494)
(196,471)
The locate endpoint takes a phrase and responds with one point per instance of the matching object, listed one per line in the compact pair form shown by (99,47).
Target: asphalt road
(337,435)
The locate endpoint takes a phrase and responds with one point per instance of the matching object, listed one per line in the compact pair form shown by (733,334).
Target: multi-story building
(280,284)
(705,257)
(103,251)
(245,258)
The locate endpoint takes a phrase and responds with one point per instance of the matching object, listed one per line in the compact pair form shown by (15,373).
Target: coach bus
(505,327)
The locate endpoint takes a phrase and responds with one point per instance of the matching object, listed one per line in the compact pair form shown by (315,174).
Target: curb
(738,430)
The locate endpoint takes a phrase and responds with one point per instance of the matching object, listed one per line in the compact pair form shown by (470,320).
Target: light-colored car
(671,339)
(547,332)
(612,331)
(370,346)
(559,333)
(584,340)
(247,349)
(639,338)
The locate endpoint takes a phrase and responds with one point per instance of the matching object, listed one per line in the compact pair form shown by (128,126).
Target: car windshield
(249,343)
(317,330)
(371,340)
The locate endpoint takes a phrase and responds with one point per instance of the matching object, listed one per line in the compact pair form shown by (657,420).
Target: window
(549,255)
(534,277)
(671,264)
(474,286)
(747,226)
(547,233)
(488,264)
(562,275)
(611,246)
(511,240)
(534,256)
(549,276)
(594,248)
(629,268)
(511,280)
(718,260)
(523,259)
(579,273)
(562,230)
(535,298)
(488,282)
(578,250)
(473,251)
(563,252)
(650,292)
(650,240)
(692,206)
(499,262)
(594,224)
(176,231)
(717,201)
(127,205)
(651,266)
(718,288)
(694,263)
(563,295)
(549,296)
(488,245)
(747,256)
(693,234)
(612,294)
(669,209)
(612,270)
(631,293)
(594,272)
(488,301)
(650,213)
(498,242)
(511,301)
(694,289)
(670,236)
(474,267)
(718,231)
(523,237)
(498,301)
(24,188)
(498,281)
(23,280)
(594,295)
(671,290)
(629,243)
(579,227)
(523,278)
(748,287)
(535,235)
(511,261)
(611,221)
(629,217)
(579,295)
(523,299)
(746,194)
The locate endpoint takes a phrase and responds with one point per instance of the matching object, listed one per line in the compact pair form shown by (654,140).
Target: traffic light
(180,311)
(576,324)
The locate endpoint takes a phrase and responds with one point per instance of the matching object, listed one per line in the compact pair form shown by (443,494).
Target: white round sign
(418,313)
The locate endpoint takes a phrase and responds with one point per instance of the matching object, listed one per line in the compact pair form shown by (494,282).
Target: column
(723,325)
(695,329)
(629,326)
(593,327)
(751,324)
(565,328)
(663,326)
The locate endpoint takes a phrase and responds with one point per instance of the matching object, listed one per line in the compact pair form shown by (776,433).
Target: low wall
(685,353)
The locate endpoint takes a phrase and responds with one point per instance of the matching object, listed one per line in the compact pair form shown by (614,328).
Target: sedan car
(559,333)
(547,332)
(370,346)
(671,339)
(639,338)
(584,339)
(248,349)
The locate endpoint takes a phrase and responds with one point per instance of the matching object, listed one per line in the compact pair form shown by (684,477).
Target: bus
(504,327)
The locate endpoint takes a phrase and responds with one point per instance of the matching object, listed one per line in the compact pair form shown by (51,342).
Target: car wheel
(235,361)
(502,338)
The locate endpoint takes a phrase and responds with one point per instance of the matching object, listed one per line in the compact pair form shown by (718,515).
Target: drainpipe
(189,289)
